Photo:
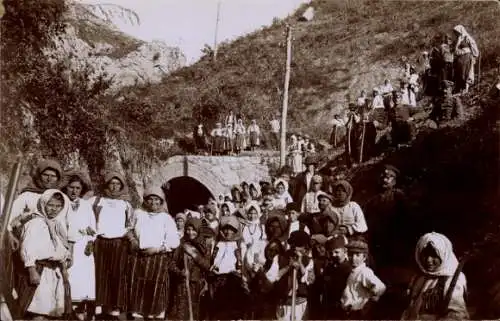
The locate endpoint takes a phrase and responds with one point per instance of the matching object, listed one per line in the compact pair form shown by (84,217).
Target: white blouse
(113,216)
(155,230)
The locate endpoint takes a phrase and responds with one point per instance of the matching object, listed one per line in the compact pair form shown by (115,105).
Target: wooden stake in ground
(285,95)
(188,290)
(294,292)
(362,139)
(216,31)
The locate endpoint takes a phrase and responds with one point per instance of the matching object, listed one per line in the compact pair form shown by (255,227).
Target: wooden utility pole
(285,95)
(216,30)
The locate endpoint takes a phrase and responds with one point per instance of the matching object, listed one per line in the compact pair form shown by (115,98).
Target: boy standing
(363,286)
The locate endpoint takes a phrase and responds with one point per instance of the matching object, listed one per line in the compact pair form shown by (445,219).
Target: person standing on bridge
(254,134)
(218,139)
(240,132)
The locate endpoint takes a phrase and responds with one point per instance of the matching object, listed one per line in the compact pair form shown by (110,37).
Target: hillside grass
(349,46)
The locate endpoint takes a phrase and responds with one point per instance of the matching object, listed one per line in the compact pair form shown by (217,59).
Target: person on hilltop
(435,293)
(447,106)
(338,130)
(466,53)
(353,135)
(402,128)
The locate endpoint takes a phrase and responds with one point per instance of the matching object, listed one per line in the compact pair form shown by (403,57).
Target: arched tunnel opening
(186,193)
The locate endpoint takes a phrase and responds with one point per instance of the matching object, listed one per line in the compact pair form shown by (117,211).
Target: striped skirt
(111,268)
(149,283)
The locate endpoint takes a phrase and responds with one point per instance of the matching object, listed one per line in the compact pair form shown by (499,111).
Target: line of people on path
(388,118)
(237,258)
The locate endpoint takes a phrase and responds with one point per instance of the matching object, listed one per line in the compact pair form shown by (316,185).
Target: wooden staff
(190,303)
(362,141)
(294,292)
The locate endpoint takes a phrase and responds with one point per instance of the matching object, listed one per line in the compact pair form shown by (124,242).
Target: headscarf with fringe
(56,229)
(121,194)
(444,249)
(36,185)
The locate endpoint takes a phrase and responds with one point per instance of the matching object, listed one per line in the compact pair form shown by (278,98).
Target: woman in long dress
(153,236)
(195,253)
(254,134)
(295,153)
(113,221)
(82,225)
(41,268)
(240,133)
(466,53)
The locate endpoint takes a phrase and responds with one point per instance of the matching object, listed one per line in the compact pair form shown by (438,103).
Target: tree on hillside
(67,107)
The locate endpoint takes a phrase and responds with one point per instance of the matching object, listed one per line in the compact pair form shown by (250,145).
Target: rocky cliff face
(90,39)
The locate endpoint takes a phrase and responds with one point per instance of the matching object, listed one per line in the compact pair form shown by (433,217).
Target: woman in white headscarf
(466,53)
(430,296)
(42,281)
(282,197)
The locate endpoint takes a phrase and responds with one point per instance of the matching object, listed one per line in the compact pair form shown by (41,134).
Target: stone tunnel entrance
(186,192)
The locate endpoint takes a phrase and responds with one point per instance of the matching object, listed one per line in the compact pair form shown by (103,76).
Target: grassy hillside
(350,45)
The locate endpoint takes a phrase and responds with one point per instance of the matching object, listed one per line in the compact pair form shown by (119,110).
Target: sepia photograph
(249,160)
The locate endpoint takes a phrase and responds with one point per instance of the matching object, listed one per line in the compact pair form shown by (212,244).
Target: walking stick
(362,142)
(190,303)
(294,292)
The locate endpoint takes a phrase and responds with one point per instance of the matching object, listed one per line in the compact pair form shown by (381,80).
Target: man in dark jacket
(302,181)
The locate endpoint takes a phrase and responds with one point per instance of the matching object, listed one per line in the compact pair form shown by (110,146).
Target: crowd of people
(388,117)
(291,248)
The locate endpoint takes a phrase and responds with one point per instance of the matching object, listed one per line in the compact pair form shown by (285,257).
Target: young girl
(254,190)
(194,249)
(153,236)
(254,230)
(363,286)
(82,225)
(430,295)
(227,209)
(225,279)
(42,282)
(282,196)
(114,219)
(180,221)
(351,219)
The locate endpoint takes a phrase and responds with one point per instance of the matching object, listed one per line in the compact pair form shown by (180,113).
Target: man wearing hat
(309,203)
(447,106)
(302,182)
(336,272)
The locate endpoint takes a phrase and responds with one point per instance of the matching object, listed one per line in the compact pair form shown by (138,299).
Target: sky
(190,24)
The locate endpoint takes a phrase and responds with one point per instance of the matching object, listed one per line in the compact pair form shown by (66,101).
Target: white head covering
(444,250)
(281,181)
(55,226)
(253,204)
(230,206)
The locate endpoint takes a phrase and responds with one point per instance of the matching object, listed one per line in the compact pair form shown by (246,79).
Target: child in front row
(363,286)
